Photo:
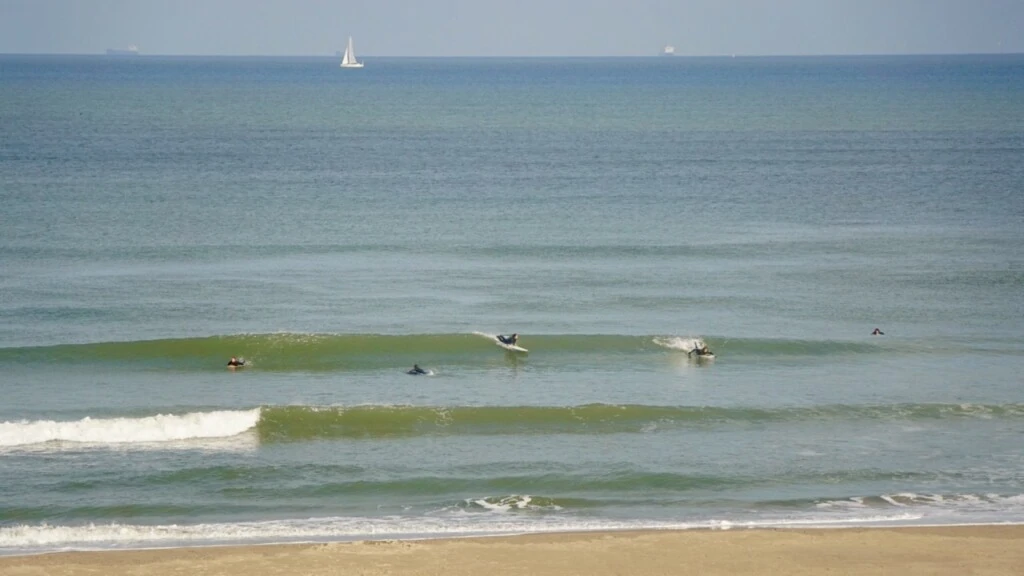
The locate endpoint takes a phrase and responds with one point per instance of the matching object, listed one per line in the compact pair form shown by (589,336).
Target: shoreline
(978,549)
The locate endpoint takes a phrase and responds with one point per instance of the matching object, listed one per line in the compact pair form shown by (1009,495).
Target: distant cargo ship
(668,50)
(132,50)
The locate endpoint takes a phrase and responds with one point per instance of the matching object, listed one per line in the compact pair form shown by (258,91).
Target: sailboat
(349,59)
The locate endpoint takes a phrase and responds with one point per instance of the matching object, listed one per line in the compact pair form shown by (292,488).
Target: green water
(333,228)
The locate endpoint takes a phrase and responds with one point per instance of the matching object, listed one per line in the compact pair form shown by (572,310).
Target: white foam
(952,508)
(36,538)
(492,517)
(103,536)
(820,522)
(853,503)
(678,343)
(515,502)
(159,428)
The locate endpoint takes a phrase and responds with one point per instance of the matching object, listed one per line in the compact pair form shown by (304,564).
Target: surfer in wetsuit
(878,332)
(416,370)
(700,351)
(235,363)
(509,340)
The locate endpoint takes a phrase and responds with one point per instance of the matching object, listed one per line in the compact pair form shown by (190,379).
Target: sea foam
(678,343)
(158,428)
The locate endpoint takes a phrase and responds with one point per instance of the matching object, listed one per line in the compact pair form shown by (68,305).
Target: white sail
(349,59)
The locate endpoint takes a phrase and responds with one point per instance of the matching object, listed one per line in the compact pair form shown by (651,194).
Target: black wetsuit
(510,340)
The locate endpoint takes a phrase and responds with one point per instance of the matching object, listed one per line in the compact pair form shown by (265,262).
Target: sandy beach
(977,550)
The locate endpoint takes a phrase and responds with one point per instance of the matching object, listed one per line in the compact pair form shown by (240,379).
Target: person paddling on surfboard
(235,363)
(509,340)
(416,370)
(878,332)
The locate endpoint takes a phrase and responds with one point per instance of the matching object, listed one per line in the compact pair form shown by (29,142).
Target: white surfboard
(494,338)
(511,347)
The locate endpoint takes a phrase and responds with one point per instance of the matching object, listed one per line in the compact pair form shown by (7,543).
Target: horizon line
(658,56)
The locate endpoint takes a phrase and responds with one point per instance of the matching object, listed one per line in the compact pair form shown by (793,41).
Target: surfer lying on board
(416,370)
(236,363)
(510,340)
(878,332)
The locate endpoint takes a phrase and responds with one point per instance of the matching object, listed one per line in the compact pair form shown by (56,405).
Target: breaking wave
(301,423)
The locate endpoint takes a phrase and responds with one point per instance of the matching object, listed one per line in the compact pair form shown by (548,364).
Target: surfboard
(494,338)
(511,347)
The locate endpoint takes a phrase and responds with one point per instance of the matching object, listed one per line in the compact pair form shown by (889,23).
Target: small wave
(958,502)
(302,423)
(149,429)
(38,538)
(298,423)
(340,352)
(270,352)
(493,517)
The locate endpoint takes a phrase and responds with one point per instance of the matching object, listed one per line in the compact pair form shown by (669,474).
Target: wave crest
(158,428)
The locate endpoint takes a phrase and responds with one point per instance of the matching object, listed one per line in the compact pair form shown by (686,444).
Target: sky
(512,27)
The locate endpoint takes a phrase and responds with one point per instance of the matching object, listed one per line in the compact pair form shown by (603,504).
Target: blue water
(334,227)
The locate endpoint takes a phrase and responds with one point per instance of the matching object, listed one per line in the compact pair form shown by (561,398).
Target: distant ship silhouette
(132,50)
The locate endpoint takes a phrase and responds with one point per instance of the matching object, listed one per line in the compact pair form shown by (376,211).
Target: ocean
(159,215)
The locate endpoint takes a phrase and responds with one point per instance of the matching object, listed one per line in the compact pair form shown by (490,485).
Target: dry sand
(974,550)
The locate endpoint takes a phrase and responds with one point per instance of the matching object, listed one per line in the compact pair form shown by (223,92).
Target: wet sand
(975,550)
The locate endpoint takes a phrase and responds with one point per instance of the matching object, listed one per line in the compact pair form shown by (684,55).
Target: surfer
(416,370)
(512,340)
(700,351)
(878,332)
(235,363)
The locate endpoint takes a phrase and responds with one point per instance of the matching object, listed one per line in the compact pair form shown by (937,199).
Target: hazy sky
(513,27)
